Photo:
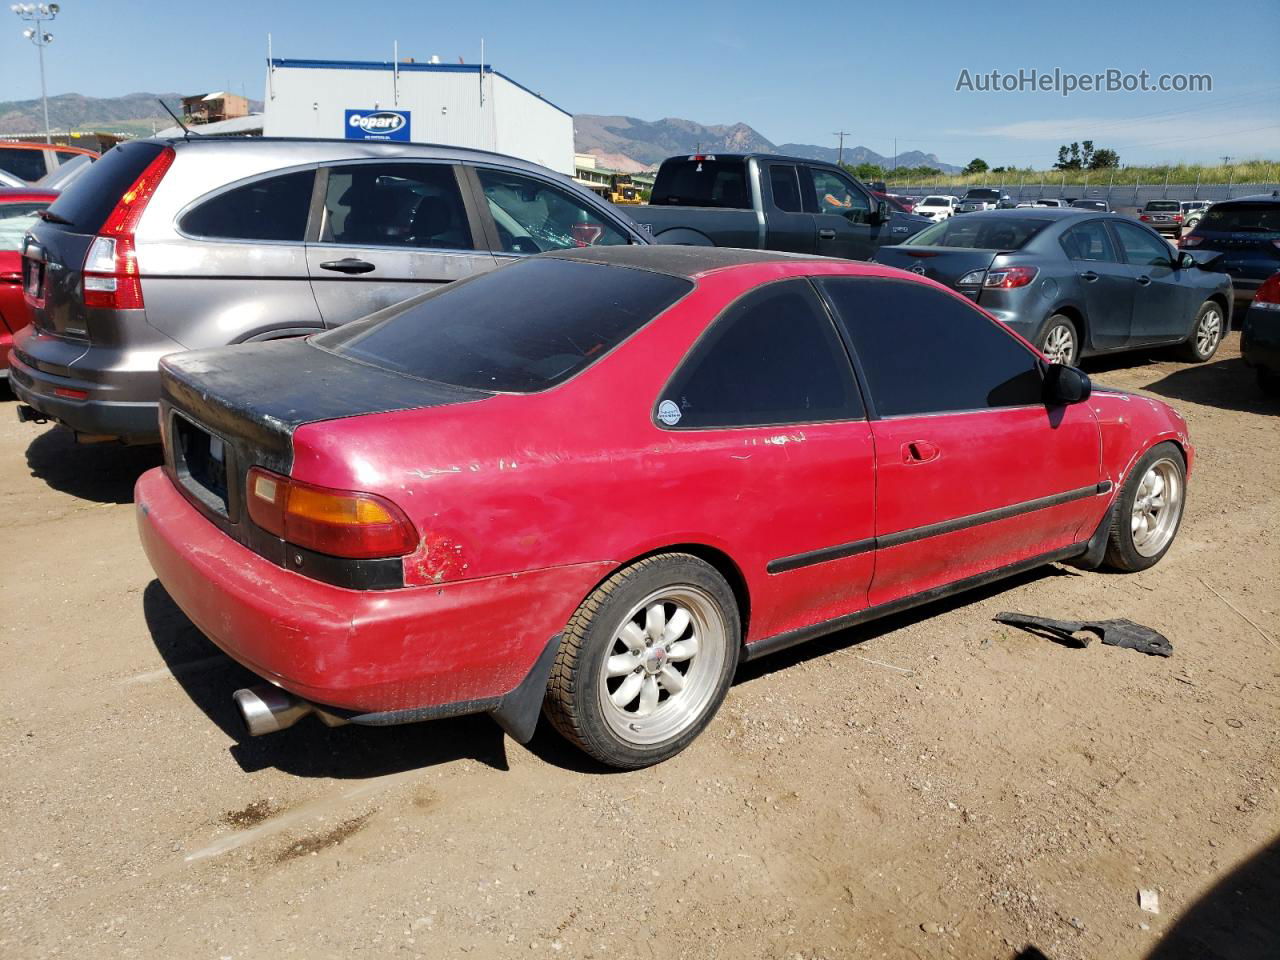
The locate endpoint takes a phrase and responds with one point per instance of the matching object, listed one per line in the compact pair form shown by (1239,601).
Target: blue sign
(377,125)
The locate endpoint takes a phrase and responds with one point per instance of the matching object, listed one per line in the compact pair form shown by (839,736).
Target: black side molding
(780,641)
(842,550)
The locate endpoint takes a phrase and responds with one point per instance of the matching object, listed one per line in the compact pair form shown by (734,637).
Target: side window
(64,156)
(924,351)
(771,358)
(839,195)
(786,187)
(1141,248)
(15,220)
(395,205)
(533,216)
(27,164)
(271,209)
(1090,241)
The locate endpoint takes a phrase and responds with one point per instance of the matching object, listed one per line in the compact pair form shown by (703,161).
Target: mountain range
(629,144)
(623,143)
(133,113)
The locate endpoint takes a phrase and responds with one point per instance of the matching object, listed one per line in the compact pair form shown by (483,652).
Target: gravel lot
(933,785)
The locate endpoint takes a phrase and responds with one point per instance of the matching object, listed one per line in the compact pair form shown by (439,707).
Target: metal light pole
(38,14)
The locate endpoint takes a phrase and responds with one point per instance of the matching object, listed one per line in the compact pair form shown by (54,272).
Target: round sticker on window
(669,413)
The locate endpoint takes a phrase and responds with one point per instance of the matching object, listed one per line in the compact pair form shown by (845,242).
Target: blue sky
(794,72)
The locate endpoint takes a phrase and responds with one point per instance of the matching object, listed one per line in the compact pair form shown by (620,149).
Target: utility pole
(895,154)
(38,14)
(1225,160)
(840,152)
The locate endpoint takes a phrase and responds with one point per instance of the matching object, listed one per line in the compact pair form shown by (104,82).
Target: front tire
(646,661)
(1148,511)
(1060,342)
(1206,334)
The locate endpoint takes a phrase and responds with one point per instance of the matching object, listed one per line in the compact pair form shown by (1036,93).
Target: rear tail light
(111,266)
(1144,218)
(1190,240)
(1268,295)
(1177,218)
(1010,278)
(340,523)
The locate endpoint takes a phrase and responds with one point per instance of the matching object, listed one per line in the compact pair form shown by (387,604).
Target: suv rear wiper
(49,216)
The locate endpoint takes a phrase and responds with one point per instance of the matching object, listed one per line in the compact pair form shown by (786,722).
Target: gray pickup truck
(770,202)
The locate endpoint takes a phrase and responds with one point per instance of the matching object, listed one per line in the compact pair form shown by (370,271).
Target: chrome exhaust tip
(268,709)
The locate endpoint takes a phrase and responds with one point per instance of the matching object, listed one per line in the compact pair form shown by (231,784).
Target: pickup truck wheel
(1206,335)
(646,661)
(1060,342)
(1148,510)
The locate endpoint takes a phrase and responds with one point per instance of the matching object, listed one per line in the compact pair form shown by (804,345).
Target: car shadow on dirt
(309,749)
(1227,384)
(1236,920)
(103,473)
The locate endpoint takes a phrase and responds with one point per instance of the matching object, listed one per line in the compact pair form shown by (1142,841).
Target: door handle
(1143,281)
(1088,276)
(919,451)
(826,234)
(348,265)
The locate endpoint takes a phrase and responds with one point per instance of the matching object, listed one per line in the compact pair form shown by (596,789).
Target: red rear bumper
(369,651)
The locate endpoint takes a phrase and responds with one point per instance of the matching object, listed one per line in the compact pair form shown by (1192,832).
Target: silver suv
(166,245)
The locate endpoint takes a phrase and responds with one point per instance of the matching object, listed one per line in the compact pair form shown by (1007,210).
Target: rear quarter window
(275,208)
(22,162)
(92,196)
(518,329)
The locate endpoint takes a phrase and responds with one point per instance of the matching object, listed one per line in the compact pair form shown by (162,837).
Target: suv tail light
(340,523)
(1190,240)
(1144,218)
(1268,295)
(1010,278)
(111,265)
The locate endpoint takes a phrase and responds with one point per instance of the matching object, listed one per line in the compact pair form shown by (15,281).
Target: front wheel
(1206,335)
(1148,511)
(1060,342)
(646,661)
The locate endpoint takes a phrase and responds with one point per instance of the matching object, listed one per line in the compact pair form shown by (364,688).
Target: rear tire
(1206,334)
(646,661)
(1060,342)
(1148,511)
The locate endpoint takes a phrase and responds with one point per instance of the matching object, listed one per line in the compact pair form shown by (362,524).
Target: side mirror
(1065,385)
(883,212)
(1185,261)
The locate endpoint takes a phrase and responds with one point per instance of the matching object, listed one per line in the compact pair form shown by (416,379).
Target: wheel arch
(716,558)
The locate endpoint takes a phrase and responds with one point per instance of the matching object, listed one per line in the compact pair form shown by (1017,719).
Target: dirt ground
(935,785)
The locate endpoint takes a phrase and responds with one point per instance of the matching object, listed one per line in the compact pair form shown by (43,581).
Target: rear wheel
(646,661)
(1060,342)
(1206,335)
(1148,511)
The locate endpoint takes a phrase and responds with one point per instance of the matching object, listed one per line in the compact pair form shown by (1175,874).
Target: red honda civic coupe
(591,483)
(19,208)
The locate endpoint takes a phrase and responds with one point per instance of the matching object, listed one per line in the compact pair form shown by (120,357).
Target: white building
(457,104)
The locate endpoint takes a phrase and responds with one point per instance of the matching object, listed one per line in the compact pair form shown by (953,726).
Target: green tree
(1104,159)
(976,165)
(866,171)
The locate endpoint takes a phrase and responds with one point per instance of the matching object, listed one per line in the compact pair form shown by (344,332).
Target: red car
(592,482)
(18,210)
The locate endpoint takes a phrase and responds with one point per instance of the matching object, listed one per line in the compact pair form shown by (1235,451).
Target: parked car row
(380,492)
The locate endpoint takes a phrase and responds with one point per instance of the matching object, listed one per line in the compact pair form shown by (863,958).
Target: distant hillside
(648,143)
(132,113)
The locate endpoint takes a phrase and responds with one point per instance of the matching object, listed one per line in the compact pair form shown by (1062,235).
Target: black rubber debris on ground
(1114,633)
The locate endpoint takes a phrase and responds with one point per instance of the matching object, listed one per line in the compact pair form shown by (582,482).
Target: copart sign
(377,125)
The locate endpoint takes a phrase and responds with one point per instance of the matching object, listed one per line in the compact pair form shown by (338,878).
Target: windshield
(934,202)
(979,233)
(1161,206)
(982,195)
(518,329)
(1089,204)
(1243,217)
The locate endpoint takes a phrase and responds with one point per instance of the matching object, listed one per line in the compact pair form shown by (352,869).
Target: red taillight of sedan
(340,523)
(1010,278)
(1268,295)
